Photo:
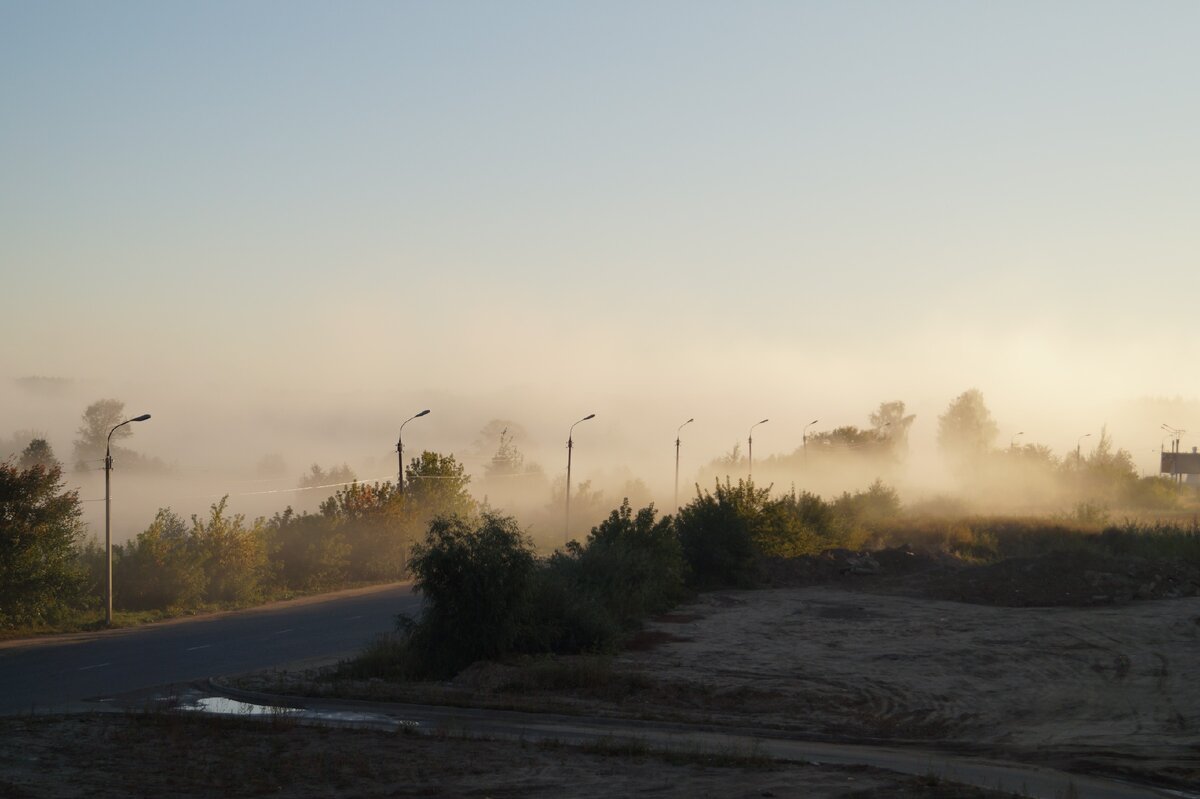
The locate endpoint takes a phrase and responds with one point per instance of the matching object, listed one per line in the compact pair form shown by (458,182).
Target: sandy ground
(1113,684)
(114,755)
(1107,689)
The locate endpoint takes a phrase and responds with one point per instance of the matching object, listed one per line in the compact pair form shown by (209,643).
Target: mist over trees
(365,532)
(38,453)
(966,430)
(318,477)
(98,420)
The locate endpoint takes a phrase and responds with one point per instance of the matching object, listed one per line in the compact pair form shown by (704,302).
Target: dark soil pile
(1062,578)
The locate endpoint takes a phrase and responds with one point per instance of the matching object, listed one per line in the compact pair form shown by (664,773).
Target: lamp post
(750,449)
(804,438)
(400,451)
(108,586)
(1012,442)
(1078,459)
(1174,434)
(570,446)
(685,424)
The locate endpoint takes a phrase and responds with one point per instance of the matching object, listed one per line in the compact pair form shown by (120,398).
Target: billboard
(1180,463)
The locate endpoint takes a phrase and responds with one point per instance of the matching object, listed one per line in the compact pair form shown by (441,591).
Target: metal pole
(400,451)
(108,586)
(108,583)
(570,446)
(750,450)
(676,473)
(685,424)
(567,520)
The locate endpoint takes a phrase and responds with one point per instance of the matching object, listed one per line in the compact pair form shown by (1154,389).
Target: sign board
(1180,463)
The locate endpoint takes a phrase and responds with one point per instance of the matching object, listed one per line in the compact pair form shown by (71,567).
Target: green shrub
(632,564)
(565,616)
(307,552)
(717,532)
(476,582)
(232,555)
(159,569)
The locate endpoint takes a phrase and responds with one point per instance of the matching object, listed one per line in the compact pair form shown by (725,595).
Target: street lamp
(685,424)
(570,446)
(1079,441)
(1012,442)
(108,592)
(1174,434)
(400,451)
(750,449)
(804,439)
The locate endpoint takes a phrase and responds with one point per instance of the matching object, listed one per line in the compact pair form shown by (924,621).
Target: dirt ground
(1105,689)
(176,755)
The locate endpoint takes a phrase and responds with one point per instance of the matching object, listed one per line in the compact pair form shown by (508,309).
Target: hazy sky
(239,214)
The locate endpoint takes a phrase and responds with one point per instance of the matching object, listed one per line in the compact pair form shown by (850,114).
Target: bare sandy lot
(1110,688)
(1095,690)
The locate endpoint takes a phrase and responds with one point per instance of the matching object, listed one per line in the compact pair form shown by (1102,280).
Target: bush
(232,556)
(308,553)
(717,533)
(476,582)
(587,598)
(632,564)
(159,569)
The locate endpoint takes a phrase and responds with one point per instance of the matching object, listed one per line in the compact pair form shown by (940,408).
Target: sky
(287,226)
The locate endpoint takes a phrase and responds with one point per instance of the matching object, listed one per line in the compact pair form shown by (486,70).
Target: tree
(377,525)
(98,419)
(508,460)
(15,444)
(1109,472)
(38,453)
(848,437)
(966,430)
(318,477)
(39,530)
(892,424)
(436,485)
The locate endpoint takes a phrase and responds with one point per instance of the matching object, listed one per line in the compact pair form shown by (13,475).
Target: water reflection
(232,707)
(223,706)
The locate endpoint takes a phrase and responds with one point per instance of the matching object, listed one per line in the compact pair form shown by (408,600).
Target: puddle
(222,706)
(231,707)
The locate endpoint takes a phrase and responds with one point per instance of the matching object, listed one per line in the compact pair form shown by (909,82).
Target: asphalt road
(73,671)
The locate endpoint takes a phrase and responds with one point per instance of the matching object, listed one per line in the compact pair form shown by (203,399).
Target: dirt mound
(850,567)
(1063,578)
(1073,578)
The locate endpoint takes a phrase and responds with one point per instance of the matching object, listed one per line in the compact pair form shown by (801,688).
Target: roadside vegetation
(589,595)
